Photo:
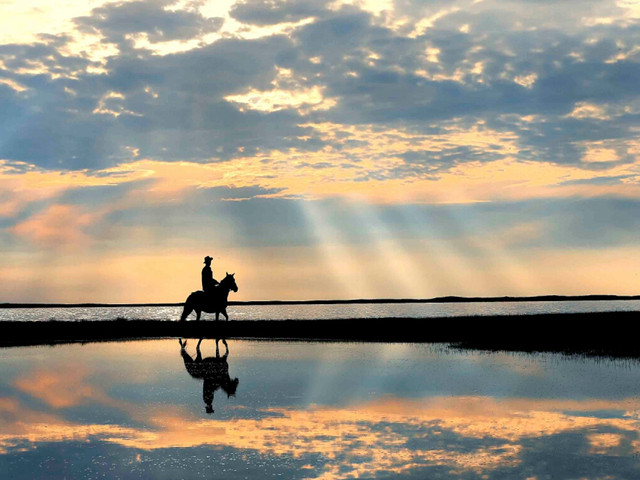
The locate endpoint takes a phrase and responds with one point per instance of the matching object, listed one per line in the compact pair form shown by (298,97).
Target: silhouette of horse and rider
(213,298)
(213,370)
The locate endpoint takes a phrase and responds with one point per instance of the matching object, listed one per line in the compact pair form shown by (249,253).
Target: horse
(212,302)
(213,370)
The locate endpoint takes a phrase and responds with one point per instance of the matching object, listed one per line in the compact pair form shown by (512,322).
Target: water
(313,411)
(300,312)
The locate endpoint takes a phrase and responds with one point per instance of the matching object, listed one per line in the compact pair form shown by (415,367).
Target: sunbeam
(336,253)
(399,264)
(431,256)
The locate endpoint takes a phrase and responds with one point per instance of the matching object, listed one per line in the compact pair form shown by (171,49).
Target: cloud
(153,18)
(58,227)
(62,390)
(233,100)
(372,437)
(261,12)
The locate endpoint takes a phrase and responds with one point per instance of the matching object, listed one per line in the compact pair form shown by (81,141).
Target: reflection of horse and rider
(213,370)
(213,298)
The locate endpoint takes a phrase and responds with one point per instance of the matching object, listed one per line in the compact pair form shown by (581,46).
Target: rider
(208,282)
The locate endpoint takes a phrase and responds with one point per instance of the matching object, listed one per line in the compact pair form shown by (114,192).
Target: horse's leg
(217,316)
(186,311)
(224,312)
(198,312)
(188,361)
(199,354)
(217,350)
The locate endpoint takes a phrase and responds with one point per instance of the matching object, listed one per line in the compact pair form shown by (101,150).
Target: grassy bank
(586,333)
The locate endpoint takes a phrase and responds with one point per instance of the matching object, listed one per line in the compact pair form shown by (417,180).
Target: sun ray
(400,267)
(336,253)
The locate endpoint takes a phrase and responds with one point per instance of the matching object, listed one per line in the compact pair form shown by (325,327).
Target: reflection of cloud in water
(462,434)
(61,388)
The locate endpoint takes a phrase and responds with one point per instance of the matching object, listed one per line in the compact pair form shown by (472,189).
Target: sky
(341,149)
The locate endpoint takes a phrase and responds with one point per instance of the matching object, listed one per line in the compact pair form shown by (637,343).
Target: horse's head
(230,282)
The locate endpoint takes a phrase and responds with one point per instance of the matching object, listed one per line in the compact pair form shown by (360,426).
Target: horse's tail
(188,308)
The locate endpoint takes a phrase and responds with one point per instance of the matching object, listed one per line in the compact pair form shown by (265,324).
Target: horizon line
(445,299)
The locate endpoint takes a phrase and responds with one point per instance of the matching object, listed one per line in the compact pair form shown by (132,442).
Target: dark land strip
(449,299)
(600,334)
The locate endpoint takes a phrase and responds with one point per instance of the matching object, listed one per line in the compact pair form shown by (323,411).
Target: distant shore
(448,299)
(602,334)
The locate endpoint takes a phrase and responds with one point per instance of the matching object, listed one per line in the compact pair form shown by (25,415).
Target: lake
(295,410)
(306,312)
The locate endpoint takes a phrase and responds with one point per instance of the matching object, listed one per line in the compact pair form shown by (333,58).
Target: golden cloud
(358,439)
(59,226)
(64,387)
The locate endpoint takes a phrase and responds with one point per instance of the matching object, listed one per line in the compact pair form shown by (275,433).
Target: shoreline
(599,334)
(447,299)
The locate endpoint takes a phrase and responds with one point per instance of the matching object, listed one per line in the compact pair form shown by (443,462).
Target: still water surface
(313,312)
(313,411)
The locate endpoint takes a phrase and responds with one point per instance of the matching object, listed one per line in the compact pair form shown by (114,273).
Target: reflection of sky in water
(313,312)
(315,410)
